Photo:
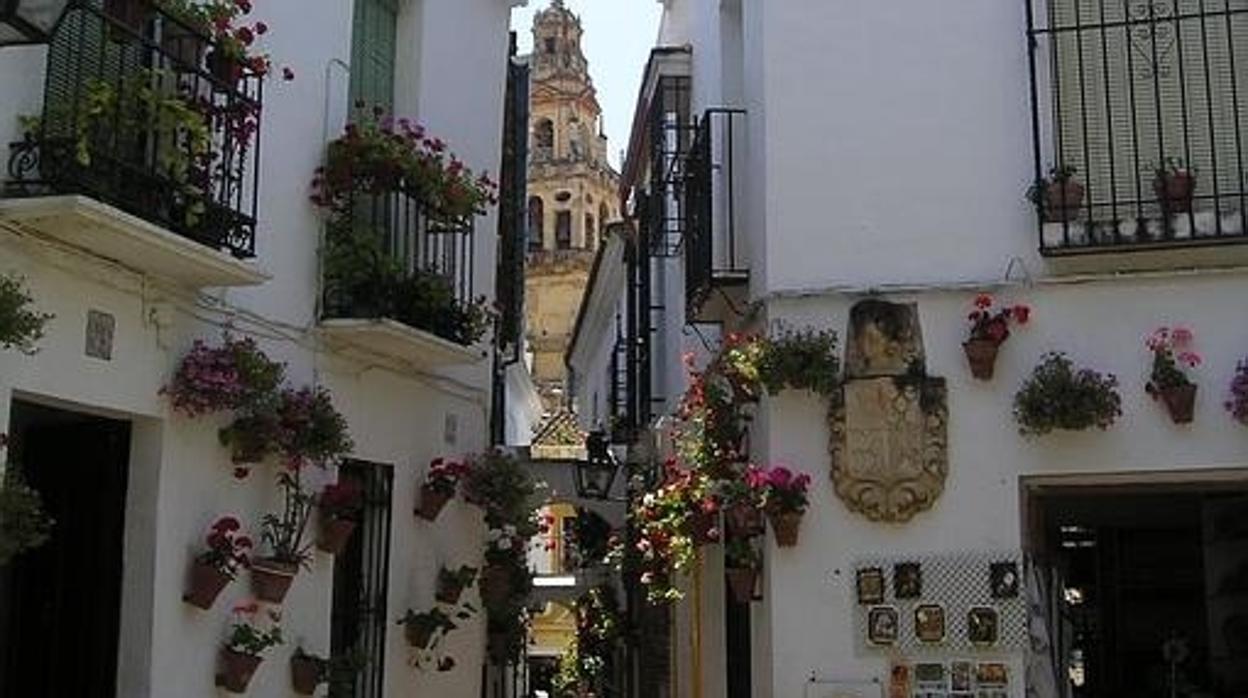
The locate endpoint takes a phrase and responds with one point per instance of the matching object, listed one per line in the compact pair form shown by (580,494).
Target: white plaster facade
(863,176)
(451,77)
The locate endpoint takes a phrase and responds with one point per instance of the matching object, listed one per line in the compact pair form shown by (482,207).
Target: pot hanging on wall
(271,579)
(236,670)
(741,582)
(1180,402)
(981,354)
(785,526)
(431,503)
(335,534)
(206,584)
(305,673)
(744,521)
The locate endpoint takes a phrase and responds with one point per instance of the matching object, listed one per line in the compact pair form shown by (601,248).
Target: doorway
(1150,588)
(60,604)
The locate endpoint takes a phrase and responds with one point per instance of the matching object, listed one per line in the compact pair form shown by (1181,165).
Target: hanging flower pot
(785,525)
(431,502)
(236,670)
(1180,402)
(1175,190)
(495,585)
(335,534)
(207,581)
(305,673)
(744,520)
(271,579)
(741,583)
(981,354)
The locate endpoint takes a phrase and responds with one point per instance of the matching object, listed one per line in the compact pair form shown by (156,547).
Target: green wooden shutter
(373,42)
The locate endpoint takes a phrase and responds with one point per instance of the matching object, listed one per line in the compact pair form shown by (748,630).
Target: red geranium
(993,324)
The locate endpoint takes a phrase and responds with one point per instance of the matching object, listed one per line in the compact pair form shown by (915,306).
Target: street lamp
(29,21)
(596,473)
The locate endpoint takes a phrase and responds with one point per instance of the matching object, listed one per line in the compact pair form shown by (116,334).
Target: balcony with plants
(146,150)
(1139,130)
(397,253)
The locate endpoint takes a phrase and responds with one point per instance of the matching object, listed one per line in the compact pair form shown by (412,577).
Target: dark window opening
(537,230)
(550,45)
(563,230)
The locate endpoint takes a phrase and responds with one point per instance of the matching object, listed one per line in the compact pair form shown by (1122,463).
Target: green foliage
(800,360)
(284,532)
(742,553)
(20,327)
(1057,396)
(23,523)
(599,630)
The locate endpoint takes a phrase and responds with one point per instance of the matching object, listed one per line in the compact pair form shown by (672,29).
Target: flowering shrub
(1237,399)
(233,376)
(444,475)
(342,500)
(226,23)
(228,549)
(599,631)
(1171,352)
(992,324)
(671,522)
(310,428)
(1057,396)
(248,637)
(783,491)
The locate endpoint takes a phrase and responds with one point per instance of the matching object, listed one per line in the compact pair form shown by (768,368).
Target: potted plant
(990,327)
(272,576)
(307,671)
(785,498)
(309,428)
(803,359)
(245,647)
(742,503)
(441,483)
(217,566)
(1175,185)
(23,523)
(1059,396)
(422,629)
(233,376)
(1237,398)
(742,562)
(341,505)
(451,583)
(1059,196)
(251,437)
(1167,382)
(232,55)
(502,546)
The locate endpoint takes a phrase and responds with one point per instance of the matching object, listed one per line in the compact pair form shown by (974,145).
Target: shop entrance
(60,604)
(1149,590)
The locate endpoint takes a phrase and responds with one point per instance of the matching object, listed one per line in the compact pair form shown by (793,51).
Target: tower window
(563,230)
(563,196)
(536,229)
(544,138)
(550,45)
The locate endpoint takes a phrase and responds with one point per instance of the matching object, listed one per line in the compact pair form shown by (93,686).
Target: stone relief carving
(889,443)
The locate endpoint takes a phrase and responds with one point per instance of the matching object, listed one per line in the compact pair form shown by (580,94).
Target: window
(563,230)
(373,42)
(602,219)
(537,229)
(589,231)
(1133,85)
(544,139)
(550,44)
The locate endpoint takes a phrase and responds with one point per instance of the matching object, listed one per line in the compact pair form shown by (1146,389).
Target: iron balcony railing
(134,116)
(712,251)
(1140,122)
(671,131)
(392,256)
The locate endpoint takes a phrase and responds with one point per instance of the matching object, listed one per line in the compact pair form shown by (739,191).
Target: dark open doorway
(60,604)
(1152,588)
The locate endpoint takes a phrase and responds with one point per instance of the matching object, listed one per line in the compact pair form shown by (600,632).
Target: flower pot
(495,585)
(702,529)
(335,534)
(449,594)
(1181,402)
(305,674)
(1175,191)
(981,354)
(418,634)
(236,670)
(206,584)
(183,45)
(431,503)
(786,525)
(1062,201)
(271,579)
(741,583)
(744,521)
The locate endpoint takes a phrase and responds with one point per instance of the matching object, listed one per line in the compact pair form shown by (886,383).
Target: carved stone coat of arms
(889,426)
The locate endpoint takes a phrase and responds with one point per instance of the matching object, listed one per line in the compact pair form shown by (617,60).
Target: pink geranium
(785,491)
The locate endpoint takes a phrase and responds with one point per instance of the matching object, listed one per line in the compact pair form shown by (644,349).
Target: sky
(618,37)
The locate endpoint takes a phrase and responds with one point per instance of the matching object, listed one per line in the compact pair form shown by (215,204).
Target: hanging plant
(742,501)
(341,505)
(989,328)
(1059,396)
(20,327)
(440,485)
(451,583)
(425,632)
(310,429)
(785,498)
(1167,381)
(742,563)
(245,647)
(272,576)
(234,376)
(227,552)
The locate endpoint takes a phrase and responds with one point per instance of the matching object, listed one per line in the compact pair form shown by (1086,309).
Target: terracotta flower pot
(1175,191)
(495,585)
(1062,201)
(1181,402)
(335,534)
(785,525)
(206,584)
(305,674)
(744,521)
(431,503)
(741,583)
(449,594)
(236,670)
(271,579)
(981,354)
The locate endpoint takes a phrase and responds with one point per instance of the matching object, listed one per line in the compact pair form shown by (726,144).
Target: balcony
(398,283)
(141,154)
(1140,122)
(714,257)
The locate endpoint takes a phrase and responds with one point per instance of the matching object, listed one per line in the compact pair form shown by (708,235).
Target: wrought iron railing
(391,256)
(671,131)
(712,251)
(1140,109)
(134,116)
